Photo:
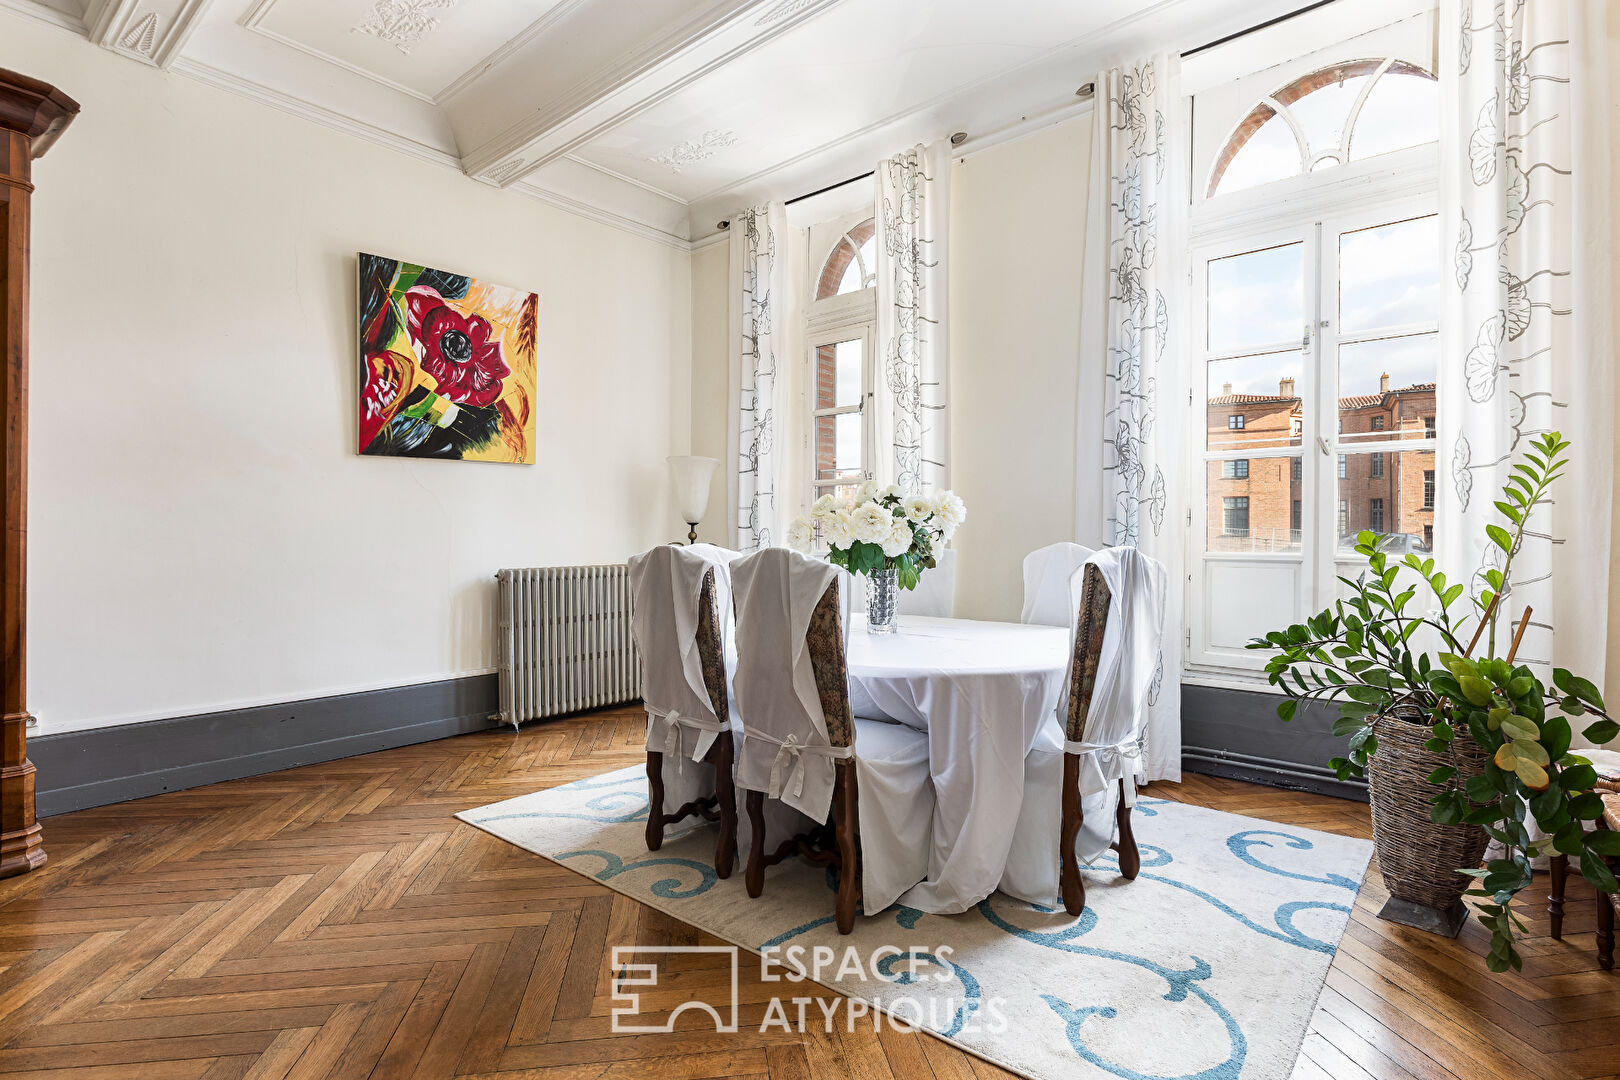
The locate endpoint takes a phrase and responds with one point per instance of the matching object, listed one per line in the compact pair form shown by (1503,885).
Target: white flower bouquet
(881,530)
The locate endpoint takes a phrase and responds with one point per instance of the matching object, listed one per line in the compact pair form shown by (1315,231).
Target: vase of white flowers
(889,536)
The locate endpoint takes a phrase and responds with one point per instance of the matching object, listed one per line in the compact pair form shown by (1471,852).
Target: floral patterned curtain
(913,434)
(1132,363)
(756,353)
(1525,318)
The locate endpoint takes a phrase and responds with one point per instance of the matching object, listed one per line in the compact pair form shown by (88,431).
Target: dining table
(982,692)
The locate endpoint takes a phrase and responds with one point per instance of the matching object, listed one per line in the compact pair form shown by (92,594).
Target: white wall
(1018,215)
(711,377)
(203,534)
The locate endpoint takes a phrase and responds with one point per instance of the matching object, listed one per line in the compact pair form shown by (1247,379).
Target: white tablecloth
(981,690)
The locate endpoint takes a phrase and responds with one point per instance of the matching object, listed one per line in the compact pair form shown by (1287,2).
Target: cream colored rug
(1207,966)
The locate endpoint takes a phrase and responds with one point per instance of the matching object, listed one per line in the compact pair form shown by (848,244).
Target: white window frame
(1311,209)
(845,317)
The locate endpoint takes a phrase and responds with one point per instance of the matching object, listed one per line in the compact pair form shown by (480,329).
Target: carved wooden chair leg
(754,875)
(1072,888)
(655,800)
(725,792)
(1558,867)
(1130,857)
(846,808)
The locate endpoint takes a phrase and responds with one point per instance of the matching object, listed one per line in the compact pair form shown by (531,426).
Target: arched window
(852,266)
(1343,113)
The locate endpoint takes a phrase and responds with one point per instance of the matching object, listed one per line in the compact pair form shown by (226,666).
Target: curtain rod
(1258,26)
(822,191)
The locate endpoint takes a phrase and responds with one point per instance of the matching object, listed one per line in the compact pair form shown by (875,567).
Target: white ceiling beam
(691,50)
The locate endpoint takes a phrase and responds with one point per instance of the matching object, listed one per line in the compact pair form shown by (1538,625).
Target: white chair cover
(935,593)
(665,585)
(1048,573)
(785,750)
(1114,726)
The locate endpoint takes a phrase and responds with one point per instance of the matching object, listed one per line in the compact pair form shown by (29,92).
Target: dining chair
(802,745)
(935,594)
(1049,574)
(678,595)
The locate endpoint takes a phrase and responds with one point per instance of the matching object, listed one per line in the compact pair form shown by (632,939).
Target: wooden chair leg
(1605,932)
(754,875)
(846,807)
(1130,857)
(1072,888)
(725,792)
(655,800)
(1558,867)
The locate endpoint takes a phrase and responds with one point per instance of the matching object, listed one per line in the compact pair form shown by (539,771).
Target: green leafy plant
(1366,652)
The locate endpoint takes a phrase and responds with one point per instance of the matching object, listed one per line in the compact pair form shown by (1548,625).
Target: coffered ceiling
(661,116)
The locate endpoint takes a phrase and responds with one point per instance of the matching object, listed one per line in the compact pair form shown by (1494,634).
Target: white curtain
(759,366)
(1132,360)
(911,407)
(1525,331)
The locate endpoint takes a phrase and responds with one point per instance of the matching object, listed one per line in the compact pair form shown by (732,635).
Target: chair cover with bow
(666,584)
(1103,731)
(787,751)
(1050,598)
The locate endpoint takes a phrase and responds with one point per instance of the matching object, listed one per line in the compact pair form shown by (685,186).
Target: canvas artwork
(447,364)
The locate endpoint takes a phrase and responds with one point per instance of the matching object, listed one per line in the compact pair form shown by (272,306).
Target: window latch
(1323,444)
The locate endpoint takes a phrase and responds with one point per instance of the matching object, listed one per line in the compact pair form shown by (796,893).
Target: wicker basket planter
(1418,858)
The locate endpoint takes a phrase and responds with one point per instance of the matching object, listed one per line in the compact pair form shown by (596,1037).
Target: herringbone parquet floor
(336,921)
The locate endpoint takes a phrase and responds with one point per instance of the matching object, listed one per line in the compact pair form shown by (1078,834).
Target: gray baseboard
(80,769)
(1236,734)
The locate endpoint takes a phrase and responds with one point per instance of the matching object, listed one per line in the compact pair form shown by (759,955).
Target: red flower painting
(455,349)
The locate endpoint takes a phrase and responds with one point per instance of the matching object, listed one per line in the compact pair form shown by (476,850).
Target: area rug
(1207,966)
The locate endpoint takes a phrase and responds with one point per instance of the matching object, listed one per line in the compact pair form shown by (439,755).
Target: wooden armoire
(32,115)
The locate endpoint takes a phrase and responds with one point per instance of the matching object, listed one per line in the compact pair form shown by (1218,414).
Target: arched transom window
(1347,112)
(852,266)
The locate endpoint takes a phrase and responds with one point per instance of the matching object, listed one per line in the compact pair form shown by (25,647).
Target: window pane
(1322,112)
(852,280)
(1272,153)
(1254,401)
(1259,510)
(1402,110)
(1389,493)
(1390,275)
(868,260)
(1386,388)
(1257,298)
(838,445)
(838,374)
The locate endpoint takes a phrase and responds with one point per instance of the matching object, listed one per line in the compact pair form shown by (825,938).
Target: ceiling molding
(686,54)
(254,19)
(148,31)
(403,23)
(46,13)
(642,184)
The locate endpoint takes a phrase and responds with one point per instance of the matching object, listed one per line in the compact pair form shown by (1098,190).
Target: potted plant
(886,535)
(1429,690)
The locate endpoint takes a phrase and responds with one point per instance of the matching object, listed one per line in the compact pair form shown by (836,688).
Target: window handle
(1323,444)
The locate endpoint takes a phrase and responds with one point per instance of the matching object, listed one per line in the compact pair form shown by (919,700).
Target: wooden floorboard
(336,921)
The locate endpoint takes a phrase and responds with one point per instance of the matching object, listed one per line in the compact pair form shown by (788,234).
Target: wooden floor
(336,921)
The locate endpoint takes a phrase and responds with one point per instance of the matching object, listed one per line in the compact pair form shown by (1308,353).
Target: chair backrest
(677,600)
(1088,644)
(784,602)
(935,593)
(1049,574)
(825,642)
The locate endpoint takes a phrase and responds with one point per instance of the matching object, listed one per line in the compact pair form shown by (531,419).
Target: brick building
(1256,504)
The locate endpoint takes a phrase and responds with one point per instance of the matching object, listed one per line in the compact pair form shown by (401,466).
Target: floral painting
(447,364)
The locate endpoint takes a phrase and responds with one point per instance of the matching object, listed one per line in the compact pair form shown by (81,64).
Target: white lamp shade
(692,476)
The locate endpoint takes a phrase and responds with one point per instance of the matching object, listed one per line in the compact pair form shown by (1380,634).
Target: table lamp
(692,476)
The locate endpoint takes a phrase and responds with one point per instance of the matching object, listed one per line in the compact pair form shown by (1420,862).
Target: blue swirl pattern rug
(1206,967)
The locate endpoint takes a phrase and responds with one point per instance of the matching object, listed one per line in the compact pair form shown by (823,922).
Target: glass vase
(883,601)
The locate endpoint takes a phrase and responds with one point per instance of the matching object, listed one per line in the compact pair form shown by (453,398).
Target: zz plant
(1387,657)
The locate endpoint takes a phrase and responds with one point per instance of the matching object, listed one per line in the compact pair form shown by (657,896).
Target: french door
(1317,353)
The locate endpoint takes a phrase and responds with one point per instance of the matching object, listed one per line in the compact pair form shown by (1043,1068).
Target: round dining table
(981,691)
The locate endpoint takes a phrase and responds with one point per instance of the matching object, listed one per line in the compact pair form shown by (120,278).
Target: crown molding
(148,31)
(46,13)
